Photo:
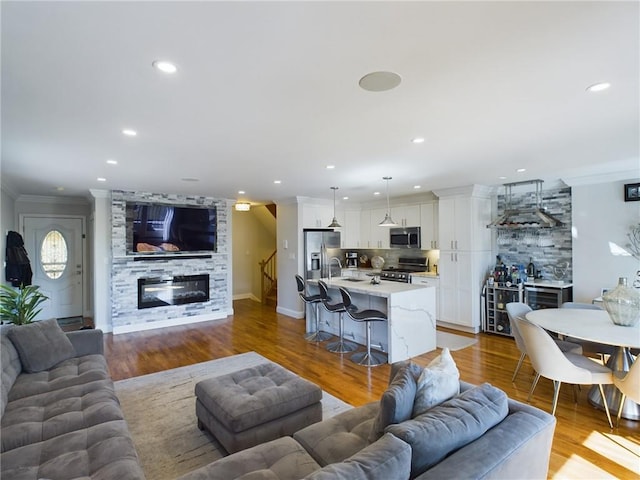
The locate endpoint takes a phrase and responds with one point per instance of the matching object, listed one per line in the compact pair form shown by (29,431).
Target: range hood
(535,217)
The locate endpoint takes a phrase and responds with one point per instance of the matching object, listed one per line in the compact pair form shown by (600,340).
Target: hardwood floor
(584,446)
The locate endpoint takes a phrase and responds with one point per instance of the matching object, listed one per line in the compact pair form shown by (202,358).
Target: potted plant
(20,306)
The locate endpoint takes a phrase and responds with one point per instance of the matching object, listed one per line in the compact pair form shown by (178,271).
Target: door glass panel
(53,254)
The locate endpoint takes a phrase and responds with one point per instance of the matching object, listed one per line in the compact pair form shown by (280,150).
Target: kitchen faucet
(329,265)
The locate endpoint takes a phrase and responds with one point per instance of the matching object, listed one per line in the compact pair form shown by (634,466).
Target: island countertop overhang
(383,289)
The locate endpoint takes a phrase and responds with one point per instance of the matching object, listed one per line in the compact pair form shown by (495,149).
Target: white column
(102,259)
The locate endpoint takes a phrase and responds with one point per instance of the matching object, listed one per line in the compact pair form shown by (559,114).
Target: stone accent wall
(125,270)
(547,247)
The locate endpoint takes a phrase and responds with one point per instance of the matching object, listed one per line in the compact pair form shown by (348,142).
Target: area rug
(452,341)
(160,411)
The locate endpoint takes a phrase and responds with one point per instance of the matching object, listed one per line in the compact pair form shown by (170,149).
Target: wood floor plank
(584,446)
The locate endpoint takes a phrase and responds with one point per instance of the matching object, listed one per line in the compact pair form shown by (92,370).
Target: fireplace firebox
(176,290)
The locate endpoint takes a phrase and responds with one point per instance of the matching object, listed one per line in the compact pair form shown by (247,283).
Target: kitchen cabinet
(463,223)
(465,254)
(372,235)
(405,216)
(350,221)
(431,282)
(429,226)
(316,216)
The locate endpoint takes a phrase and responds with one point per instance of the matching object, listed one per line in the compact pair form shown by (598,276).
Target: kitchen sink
(351,279)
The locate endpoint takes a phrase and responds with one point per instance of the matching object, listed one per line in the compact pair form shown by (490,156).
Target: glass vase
(623,304)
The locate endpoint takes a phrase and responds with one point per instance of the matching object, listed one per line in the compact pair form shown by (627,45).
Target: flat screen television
(159,228)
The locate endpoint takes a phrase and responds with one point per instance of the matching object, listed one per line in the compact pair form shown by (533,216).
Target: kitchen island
(411,326)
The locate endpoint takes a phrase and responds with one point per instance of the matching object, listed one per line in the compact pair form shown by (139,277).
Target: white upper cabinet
(429,224)
(365,229)
(463,223)
(406,216)
(379,236)
(350,222)
(316,216)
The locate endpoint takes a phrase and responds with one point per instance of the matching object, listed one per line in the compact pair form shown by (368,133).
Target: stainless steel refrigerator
(320,246)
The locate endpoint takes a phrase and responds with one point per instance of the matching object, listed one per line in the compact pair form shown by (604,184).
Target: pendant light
(334,223)
(387,222)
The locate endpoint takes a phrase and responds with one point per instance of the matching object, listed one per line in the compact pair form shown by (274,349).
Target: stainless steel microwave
(408,237)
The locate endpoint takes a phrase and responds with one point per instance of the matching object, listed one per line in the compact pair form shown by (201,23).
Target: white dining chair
(550,362)
(519,309)
(629,385)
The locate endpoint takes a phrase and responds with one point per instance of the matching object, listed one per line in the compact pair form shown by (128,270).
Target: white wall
(601,219)
(289,259)
(7,222)
(252,243)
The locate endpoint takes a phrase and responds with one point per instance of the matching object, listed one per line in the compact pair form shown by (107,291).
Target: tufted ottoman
(255,405)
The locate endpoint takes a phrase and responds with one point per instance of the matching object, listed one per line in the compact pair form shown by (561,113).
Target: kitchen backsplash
(391,256)
(548,248)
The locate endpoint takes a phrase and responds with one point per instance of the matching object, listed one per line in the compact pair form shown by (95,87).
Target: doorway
(56,250)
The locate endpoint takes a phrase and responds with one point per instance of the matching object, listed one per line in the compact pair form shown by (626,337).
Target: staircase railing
(269,280)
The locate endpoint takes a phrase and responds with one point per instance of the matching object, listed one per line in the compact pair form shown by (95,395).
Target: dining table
(596,326)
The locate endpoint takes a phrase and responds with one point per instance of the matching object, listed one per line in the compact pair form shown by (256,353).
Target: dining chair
(587,346)
(558,366)
(629,385)
(519,309)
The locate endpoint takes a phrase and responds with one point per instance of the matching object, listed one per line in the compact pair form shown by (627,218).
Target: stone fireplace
(172,291)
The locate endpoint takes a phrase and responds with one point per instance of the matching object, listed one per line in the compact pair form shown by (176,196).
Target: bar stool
(341,346)
(314,300)
(368,358)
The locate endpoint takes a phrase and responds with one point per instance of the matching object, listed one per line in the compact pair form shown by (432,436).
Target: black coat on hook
(17,266)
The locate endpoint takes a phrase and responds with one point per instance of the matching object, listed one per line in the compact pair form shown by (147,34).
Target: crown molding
(623,175)
(56,200)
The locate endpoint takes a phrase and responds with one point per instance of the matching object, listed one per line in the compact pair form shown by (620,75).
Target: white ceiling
(269,90)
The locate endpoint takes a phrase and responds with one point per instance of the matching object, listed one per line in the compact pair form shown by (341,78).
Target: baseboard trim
(455,326)
(290,313)
(170,322)
(245,296)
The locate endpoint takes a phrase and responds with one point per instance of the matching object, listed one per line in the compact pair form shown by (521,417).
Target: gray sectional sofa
(477,434)
(61,418)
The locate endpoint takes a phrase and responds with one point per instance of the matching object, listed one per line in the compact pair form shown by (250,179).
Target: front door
(55,246)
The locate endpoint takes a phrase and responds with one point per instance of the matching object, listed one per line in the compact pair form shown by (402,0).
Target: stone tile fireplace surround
(126,270)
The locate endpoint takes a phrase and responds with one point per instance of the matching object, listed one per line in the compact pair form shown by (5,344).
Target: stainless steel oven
(408,237)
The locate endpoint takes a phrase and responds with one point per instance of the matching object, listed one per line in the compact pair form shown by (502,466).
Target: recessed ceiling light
(241,192)
(129,132)
(417,187)
(417,140)
(277,181)
(112,162)
(101,179)
(376,193)
(598,87)
(330,167)
(189,179)
(59,189)
(502,178)
(380,81)
(521,170)
(165,67)
(345,198)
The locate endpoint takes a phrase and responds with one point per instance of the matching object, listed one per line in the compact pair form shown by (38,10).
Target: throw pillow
(439,381)
(451,425)
(41,345)
(396,403)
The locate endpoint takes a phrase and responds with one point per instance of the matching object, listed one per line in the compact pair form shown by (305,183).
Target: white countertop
(383,289)
(549,284)
(425,274)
